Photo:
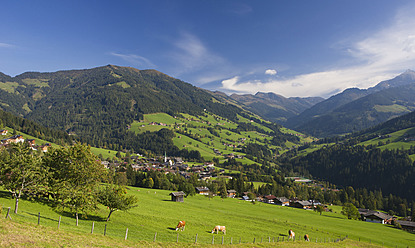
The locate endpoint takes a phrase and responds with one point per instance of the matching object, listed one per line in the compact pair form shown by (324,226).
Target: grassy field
(244,221)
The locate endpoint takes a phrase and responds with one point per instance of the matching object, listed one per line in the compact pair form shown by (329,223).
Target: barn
(177,196)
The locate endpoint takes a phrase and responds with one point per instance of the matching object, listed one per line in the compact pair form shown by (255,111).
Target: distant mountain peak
(405,78)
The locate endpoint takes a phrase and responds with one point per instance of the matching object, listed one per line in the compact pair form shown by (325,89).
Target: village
(19,139)
(208,171)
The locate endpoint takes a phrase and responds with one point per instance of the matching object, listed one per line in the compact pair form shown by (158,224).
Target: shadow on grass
(82,216)
(337,217)
(41,216)
(172,228)
(5,194)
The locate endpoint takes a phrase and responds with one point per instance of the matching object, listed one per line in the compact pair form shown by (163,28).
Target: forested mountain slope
(99,105)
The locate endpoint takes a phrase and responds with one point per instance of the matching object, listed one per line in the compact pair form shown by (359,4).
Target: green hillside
(214,136)
(244,221)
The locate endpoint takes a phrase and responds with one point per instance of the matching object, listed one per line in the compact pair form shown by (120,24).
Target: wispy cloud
(135,59)
(241,8)
(382,55)
(6,45)
(191,55)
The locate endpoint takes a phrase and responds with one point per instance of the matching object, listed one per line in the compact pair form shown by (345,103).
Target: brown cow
(291,234)
(306,237)
(181,225)
(219,228)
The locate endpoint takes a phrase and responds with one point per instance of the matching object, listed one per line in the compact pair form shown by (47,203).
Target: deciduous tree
(115,198)
(21,170)
(74,175)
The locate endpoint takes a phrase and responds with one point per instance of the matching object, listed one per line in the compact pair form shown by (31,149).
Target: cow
(306,237)
(181,225)
(219,228)
(291,234)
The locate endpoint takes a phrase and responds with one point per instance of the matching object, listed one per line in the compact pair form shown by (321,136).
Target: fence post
(231,240)
(126,234)
(59,223)
(239,240)
(222,240)
(177,238)
(105,229)
(213,239)
(155,236)
(254,240)
(76,218)
(196,239)
(92,229)
(8,213)
(261,239)
(38,218)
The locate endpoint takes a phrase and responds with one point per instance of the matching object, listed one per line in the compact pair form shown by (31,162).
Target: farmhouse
(177,196)
(377,217)
(3,132)
(282,201)
(269,199)
(13,139)
(231,193)
(202,190)
(407,225)
(301,204)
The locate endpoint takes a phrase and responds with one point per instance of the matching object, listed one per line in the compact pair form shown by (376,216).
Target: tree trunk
(108,218)
(16,206)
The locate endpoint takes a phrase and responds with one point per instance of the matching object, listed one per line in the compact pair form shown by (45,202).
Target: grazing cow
(219,228)
(306,237)
(181,225)
(291,234)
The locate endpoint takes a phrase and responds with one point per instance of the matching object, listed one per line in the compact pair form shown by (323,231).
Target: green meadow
(156,216)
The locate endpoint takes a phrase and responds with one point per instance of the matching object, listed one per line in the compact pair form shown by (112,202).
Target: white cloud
(271,72)
(382,55)
(135,59)
(230,83)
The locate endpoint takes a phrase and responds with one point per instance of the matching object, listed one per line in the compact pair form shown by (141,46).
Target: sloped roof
(180,193)
(378,215)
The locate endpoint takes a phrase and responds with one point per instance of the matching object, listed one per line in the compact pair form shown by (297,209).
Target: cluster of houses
(169,165)
(19,139)
(379,217)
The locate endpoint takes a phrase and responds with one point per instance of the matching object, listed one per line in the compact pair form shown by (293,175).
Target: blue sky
(292,48)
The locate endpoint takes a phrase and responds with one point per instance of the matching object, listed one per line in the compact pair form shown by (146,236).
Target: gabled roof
(202,189)
(378,215)
(303,203)
(180,193)
(282,199)
(405,223)
(270,197)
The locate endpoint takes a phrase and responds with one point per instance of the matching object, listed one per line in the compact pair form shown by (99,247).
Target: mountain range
(349,111)
(104,101)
